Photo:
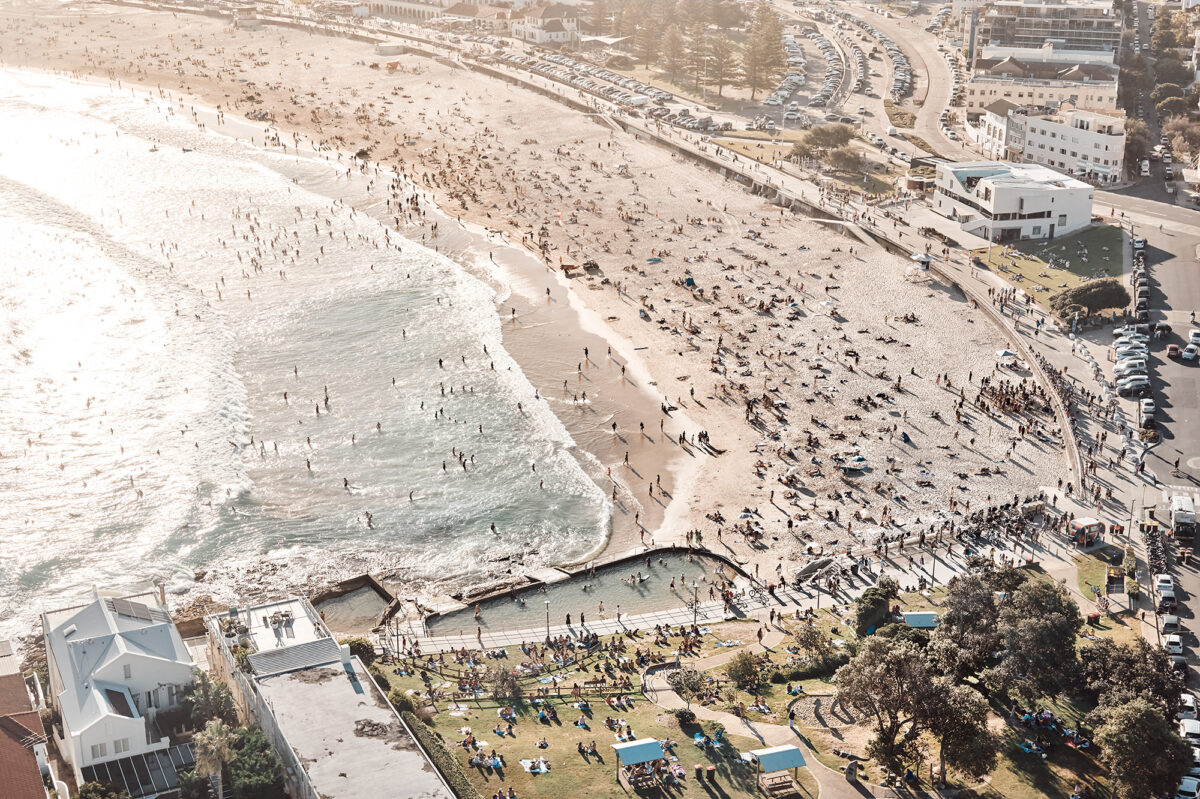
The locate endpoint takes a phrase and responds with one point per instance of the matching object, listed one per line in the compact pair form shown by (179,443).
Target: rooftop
(275,625)
(1004,172)
(351,742)
(86,639)
(20,729)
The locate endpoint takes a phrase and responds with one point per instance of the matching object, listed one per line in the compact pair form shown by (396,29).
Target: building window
(1037,230)
(128,671)
(120,745)
(99,751)
(1062,220)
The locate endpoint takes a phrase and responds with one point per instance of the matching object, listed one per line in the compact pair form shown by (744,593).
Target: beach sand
(751,352)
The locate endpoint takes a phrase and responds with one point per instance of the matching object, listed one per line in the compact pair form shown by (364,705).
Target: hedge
(443,759)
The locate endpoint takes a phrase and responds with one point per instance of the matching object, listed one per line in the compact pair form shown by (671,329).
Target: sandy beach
(777,351)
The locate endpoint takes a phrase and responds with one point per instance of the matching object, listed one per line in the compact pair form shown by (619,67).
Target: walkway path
(833,783)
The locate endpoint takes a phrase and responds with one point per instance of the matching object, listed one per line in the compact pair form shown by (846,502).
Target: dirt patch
(825,712)
(314,676)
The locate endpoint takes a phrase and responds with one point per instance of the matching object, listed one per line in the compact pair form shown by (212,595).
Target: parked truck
(1183,520)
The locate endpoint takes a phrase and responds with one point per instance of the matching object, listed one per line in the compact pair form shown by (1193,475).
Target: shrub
(1130,562)
(743,669)
(401,701)
(778,677)
(254,773)
(443,759)
(685,716)
(1132,588)
(1090,297)
(361,648)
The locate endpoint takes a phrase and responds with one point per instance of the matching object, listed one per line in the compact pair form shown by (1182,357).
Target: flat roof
(351,742)
(287,622)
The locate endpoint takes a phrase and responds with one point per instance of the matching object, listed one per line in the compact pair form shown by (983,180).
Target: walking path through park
(833,783)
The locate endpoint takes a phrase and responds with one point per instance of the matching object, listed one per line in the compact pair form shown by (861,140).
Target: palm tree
(214,749)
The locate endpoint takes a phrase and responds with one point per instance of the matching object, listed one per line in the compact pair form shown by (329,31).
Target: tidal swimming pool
(658,581)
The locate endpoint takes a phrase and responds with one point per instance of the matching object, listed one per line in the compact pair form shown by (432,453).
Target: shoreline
(720,298)
(526,278)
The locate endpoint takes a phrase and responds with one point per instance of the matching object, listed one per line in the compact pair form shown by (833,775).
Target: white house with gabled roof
(113,664)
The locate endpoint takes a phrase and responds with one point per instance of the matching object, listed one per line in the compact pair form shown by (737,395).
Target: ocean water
(144,433)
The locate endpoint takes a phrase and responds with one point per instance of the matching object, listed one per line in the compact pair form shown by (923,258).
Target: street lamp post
(695,602)
(547,620)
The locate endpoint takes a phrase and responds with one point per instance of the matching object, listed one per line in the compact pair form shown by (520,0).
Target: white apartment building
(114,664)
(1002,202)
(1092,87)
(555,24)
(1084,144)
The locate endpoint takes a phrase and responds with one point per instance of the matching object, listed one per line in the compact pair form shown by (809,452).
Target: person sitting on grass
(581,723)
(542,744)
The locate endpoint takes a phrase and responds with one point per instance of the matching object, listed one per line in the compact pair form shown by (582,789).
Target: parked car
(1190,352)
(1187,706)
(1173,351)
(1173,644)
(1163,582)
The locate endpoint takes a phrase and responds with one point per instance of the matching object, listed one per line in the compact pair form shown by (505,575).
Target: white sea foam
(129,366)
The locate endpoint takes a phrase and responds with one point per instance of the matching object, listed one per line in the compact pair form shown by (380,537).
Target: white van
(892,130)
(1145,167)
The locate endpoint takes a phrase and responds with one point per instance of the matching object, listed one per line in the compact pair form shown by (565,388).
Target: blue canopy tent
(773,765)
(633,753)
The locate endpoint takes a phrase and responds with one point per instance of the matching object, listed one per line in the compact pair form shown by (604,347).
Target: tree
(255,772)
(205,700)
(763,57)
(503,683)
(743,669)
(1113,674)
(1137,141)
(814,642)
(889,681)
(721,67)
(1163,38)
(845,159)
(1173,107)
(96,790)
(687,683)
(1144,754)
(214,750)
(1169,69)
(966,635)
(599,17)
(673,51)
(959,724)
(830,137)
(1037,628)
(873,605)
(1161,92)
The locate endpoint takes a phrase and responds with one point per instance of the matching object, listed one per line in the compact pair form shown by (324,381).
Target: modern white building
(114,664)
(1084,144)
(1002,201)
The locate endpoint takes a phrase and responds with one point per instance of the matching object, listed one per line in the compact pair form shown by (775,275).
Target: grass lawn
(1045,268)
(760,150)
(571,774)
(920,143)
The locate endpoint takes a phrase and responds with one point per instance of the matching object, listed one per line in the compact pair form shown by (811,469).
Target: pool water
(355,612)
(610,586)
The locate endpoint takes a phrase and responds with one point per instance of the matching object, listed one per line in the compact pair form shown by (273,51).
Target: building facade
(1091,87)
(1003,202)
(556,24)
(1083,144)
(113,665)
(1081,25)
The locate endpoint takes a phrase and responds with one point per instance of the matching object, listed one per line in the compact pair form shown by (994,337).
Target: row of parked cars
(1131,344)
(833,70)
(1189,708)
(901,68)
(591,78)
(939,19)
(795,79)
